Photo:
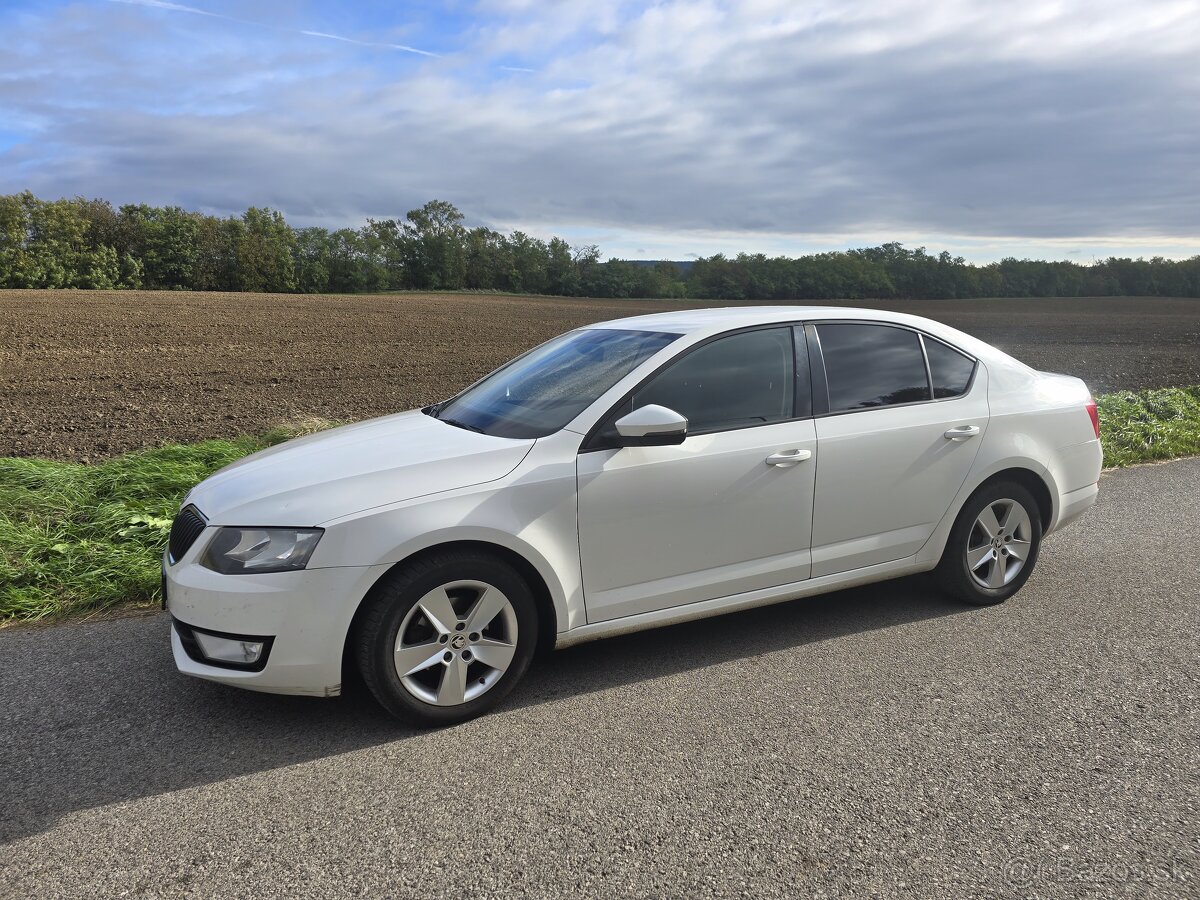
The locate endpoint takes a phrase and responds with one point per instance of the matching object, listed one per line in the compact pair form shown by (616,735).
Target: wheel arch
(1040,485)
(1032,482)
(543,599)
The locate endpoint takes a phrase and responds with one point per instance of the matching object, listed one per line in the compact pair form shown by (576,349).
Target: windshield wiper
(459,423)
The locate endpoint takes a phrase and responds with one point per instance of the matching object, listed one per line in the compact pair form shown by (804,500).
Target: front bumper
(302,617)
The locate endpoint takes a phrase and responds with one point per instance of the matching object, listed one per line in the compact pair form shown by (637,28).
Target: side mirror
(651,426)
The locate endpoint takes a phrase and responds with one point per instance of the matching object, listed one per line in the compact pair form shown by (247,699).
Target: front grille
(184,530)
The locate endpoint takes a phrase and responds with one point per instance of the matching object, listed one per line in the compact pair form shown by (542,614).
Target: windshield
(540,392)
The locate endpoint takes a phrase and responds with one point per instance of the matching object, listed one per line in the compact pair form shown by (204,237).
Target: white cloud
(178,7)
(679,125)
(346,40)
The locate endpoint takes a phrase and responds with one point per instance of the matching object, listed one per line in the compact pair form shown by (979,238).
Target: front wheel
(993,546)
(445,639)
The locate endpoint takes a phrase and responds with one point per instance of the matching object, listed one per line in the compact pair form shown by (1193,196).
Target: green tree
(166,240)
(527,259)
(265,252)
(485,258)
(86,243)
(312,253)
(562,277)
(14,236)
(57,244)
(387,248)
(436,255)
(351,263)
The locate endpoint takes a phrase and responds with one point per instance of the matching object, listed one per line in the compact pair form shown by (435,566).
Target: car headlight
(249,551)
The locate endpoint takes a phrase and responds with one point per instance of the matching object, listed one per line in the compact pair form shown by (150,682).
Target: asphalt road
(881,741)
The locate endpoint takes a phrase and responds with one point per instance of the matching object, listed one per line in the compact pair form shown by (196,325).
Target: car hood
(311,480)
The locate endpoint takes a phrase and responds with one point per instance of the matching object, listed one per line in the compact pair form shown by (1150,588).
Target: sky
(1057,129)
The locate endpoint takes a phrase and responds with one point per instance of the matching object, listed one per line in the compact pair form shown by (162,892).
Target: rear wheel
(445,639)
(993,545)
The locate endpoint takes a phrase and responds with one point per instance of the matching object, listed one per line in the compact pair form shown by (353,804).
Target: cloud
(758,123)
(338,37)
(178,7)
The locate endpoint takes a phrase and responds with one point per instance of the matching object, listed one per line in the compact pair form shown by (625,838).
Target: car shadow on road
(96,714)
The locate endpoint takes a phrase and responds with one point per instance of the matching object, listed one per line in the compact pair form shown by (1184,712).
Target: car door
(903,418)
(726,511)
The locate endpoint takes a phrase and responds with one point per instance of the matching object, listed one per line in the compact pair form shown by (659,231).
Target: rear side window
(869,366)
(950,370)
(734,382)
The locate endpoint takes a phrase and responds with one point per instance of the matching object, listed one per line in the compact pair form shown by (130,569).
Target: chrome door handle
(785,459)
(962,432)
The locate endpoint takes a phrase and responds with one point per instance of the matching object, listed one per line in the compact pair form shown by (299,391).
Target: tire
(998,571)
(431,648)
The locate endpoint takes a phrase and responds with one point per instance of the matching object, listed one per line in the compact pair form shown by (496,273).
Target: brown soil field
(86,375)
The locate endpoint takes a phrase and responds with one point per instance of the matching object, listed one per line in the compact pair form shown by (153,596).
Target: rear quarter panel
(1039,421)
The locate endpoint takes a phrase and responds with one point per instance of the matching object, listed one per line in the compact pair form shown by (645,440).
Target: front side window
(872,365)
(537,394)
(733,382)
(950,370)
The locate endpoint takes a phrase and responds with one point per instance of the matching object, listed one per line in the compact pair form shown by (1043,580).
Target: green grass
(81,538)
(1149,425)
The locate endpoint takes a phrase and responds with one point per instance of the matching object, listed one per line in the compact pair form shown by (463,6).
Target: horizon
(692,258)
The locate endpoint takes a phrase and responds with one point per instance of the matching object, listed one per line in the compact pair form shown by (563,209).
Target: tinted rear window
(950,370)
(872,365)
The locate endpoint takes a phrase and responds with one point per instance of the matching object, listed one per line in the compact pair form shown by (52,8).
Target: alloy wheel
(456,642)
(999,543)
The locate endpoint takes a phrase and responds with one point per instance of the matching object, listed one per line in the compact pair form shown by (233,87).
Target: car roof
(702,322)
(728,317)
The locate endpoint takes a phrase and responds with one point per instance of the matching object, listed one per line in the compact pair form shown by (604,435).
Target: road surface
(880,740)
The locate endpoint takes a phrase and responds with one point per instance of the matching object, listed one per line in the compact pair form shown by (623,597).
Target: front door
(727,511)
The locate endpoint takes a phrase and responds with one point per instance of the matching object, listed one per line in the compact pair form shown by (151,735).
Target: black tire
(388,605)
(953,573)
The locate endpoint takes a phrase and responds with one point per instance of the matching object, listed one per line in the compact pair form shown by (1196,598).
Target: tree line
(80,243)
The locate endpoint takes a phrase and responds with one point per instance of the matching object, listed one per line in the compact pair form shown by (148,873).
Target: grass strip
(82,538)
(1145,426)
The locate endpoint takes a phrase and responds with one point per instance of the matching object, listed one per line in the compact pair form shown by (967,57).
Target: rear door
(903,419)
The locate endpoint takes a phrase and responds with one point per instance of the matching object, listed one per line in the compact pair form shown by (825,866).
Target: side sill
(704,609)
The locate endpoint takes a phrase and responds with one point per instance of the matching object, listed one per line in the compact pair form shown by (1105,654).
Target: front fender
(531,512)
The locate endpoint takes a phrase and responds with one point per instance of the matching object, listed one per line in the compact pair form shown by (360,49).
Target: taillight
(1090,406)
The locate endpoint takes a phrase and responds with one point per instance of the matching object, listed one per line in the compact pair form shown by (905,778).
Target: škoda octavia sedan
(623,476)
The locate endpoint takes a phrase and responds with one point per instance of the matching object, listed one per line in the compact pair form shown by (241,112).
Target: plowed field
(86,375)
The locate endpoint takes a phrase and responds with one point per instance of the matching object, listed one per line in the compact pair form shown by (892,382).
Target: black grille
(184,531)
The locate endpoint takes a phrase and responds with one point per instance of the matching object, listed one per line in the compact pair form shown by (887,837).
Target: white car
(622,476)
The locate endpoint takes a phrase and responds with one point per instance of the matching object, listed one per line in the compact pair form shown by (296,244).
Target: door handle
(785,459)
(962,432)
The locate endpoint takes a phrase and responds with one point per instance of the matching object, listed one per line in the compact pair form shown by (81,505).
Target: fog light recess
(229,650)
(246,652)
